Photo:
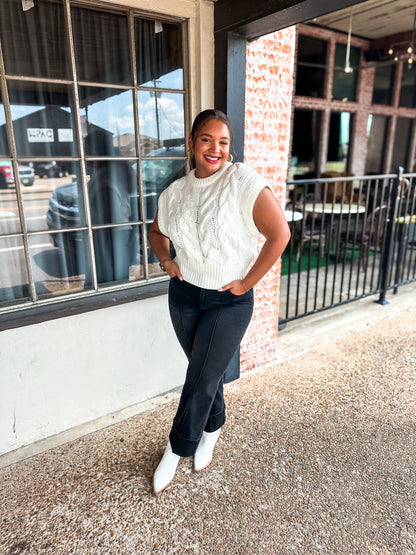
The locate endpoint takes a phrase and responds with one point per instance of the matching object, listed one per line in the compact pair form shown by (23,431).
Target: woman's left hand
(236,287)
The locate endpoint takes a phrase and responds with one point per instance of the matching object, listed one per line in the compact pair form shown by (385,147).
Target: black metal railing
(351,237)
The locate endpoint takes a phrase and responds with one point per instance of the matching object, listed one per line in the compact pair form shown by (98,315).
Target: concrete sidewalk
(318,455)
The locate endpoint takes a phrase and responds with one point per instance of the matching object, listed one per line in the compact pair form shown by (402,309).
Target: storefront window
(81,218)
(61,264)
(401,143)
(383,84)
(340,132)
(408,86)
(9,221)
(34,42)
(376,139)
(101,46)
(159,54)
(13,276)
(162,117)
(43,119)
(345,83)
(305,144)
(108,119)
(311,66)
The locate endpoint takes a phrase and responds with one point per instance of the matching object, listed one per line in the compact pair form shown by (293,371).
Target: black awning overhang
(254,19)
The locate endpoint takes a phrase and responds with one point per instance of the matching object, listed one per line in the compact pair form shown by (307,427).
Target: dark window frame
(355,52)
(390,89)
(29,308)
(384,141)
(352,116)
(312,67)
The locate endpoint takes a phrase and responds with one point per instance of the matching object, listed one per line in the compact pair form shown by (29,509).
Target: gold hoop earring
(189,154)
(230,158)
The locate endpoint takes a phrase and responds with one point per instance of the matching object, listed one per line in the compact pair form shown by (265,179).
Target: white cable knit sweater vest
(210,223)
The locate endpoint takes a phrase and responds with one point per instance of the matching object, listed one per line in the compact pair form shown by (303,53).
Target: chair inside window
(310,229)
(368,236)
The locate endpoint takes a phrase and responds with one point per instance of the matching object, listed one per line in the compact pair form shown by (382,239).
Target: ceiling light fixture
(404,50)
(348,68)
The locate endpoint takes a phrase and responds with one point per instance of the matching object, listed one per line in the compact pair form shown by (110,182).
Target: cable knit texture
(210,223)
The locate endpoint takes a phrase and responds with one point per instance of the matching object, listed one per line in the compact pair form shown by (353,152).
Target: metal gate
(351,237)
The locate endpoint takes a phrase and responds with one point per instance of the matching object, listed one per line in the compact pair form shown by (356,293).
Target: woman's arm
(160,246)
(271,222)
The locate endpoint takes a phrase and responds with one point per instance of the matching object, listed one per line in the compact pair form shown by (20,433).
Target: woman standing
(213,217)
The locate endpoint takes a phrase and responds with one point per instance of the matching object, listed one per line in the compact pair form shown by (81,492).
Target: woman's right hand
(172,269)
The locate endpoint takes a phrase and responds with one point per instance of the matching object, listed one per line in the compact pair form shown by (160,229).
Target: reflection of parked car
(26,175)
(64,212)
(51,169)
(156,174)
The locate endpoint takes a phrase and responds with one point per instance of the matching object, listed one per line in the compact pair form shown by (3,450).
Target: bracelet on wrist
(162,263)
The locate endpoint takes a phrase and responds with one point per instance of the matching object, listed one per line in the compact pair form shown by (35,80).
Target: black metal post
(389,243)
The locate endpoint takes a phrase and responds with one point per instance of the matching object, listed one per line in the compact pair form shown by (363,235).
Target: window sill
(71,307)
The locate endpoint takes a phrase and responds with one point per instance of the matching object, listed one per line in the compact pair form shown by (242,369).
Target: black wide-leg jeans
(209,325)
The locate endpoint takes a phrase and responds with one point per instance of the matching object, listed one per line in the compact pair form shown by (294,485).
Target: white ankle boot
(205,449)
(166,469)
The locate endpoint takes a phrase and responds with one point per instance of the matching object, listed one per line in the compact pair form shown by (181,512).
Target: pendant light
(348,68)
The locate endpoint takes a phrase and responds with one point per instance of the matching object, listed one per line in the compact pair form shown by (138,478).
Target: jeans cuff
(215,421)
(182,446)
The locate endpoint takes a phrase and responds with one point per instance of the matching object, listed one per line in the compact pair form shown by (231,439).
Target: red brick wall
(270,98)
(269,81)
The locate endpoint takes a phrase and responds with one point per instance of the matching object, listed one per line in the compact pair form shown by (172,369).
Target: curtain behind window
(158,54)
(101,42)
(34,42)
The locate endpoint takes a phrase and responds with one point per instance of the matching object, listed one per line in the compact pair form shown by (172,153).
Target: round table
(293,216)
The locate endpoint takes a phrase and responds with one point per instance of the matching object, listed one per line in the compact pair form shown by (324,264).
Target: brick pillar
(269,83)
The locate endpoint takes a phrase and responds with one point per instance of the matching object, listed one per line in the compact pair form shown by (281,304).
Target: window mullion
(13,152)
(80,144)
(144,240)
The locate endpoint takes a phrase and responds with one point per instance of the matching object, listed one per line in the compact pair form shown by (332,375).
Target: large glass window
(158,54)
(311,66)
(340,133)
(162,117)
(376,140)
(401,143)
(408,86)
(13,275)
(383,83)
(34,42)
(101,46)
(305,143)
(108,119)
(43,118)
(345,83)
(96,143)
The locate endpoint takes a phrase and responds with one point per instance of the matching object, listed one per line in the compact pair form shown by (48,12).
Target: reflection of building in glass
(49,119)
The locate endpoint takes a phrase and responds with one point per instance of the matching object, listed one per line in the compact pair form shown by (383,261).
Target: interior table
(293,216)
(332,209)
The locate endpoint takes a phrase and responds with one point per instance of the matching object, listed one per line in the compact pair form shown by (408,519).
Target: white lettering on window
(40,135)
(65,136)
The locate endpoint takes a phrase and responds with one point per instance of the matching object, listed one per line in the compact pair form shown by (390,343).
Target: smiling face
(211,147)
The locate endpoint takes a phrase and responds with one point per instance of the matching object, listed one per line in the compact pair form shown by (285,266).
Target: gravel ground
(318,455)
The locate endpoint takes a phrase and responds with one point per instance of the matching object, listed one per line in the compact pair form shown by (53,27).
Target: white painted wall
(63,373)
